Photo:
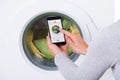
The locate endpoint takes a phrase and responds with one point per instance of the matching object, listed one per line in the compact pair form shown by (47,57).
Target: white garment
(103,53)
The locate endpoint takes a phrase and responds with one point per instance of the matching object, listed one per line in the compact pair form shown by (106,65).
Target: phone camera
(55,29)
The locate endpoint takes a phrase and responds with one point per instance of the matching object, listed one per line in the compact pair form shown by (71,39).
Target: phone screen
(54,24)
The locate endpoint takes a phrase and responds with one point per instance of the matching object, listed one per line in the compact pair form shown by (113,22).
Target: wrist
(85,50)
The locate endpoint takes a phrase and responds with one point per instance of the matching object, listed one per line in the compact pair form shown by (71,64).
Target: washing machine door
(34,41)
(24,53)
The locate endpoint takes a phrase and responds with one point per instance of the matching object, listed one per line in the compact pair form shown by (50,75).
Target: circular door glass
(34,39)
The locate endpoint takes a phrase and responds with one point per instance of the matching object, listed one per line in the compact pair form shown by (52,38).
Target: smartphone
(54,24)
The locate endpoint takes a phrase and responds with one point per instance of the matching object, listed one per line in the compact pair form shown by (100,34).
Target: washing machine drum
(34,39)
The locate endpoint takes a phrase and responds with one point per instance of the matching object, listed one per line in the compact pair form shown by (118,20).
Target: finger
(66,33)
(70,35)
(48,34)
(66,44)
(70,42)
(48,40)
(67,38)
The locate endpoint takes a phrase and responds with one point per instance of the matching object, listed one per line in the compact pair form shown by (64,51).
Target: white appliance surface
(101,11)
(16,13)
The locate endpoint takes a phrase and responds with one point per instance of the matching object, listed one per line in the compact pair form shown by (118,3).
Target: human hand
(55,49)
(76,42)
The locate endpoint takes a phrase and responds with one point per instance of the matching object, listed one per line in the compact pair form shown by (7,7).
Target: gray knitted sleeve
(103,53)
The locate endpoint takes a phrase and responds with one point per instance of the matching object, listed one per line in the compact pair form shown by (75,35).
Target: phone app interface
(56,35)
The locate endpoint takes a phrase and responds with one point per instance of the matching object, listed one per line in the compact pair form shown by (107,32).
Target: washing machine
(24,51)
